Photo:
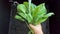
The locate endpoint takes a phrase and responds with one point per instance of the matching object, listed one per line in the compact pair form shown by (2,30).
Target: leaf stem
(31,31)
(29,5)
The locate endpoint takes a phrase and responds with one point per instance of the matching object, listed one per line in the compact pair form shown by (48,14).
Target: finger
(32,26)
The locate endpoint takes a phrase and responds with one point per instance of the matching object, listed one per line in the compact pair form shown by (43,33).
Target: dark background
(54,21)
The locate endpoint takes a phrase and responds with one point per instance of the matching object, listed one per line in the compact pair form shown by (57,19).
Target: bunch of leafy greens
(32,14)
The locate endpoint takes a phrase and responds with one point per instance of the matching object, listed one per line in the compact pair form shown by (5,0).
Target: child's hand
(37,29)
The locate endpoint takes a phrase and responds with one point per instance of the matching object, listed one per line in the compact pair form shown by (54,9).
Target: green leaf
(30,18)
(22,8)
(26,16)
(49,14)
(44,18)
(23,15)
(19,18)
(40,9)
(32,7)
(26,5)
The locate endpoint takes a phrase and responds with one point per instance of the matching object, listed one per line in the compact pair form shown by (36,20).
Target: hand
(37,29)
